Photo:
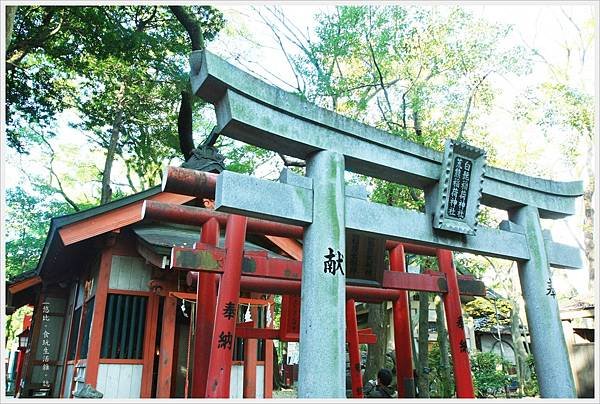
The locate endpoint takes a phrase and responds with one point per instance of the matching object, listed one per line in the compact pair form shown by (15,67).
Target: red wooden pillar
(402,336)
(456,331)
(95,342)
(353,349)
(20,361)
(167,344)
(250,360)
(206,302)
(269,359)
(219,368)
(149,345)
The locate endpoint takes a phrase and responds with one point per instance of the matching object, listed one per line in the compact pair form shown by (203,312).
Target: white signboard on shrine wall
(293,353)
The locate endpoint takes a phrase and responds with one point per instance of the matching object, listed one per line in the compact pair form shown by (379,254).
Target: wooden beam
(149,345)
(268,365)
(113,219)
(257,264)
(24,284)
(268,369)
(250,359)
(167,343)
(96,331)
(290,246)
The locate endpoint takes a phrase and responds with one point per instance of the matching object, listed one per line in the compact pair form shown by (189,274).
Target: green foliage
(244,159)
(531,387)
(392,194)
(100,61)
(484,308)
(14,326)
(552,105)
(439,387)
(27,221)
(421,73)
(489,378)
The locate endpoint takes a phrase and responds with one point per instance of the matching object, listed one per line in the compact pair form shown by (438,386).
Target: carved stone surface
(460,188)
(87,391)
(206,158)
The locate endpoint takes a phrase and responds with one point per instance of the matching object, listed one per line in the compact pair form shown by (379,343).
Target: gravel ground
(285,393)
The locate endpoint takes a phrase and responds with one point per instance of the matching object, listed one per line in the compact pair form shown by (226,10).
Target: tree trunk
(106,195)
(106,191)
(519,346)
(588,221)
(442,339)
(378,321)
(277,382)
(423,365)
(11,11)
(191,25)
(417,122)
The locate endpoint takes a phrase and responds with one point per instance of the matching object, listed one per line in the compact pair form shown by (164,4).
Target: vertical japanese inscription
(549,288)
(225,340)
(459,188)
(45,344)
(229,310)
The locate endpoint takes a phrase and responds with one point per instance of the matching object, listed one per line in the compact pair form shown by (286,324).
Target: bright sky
(538,25)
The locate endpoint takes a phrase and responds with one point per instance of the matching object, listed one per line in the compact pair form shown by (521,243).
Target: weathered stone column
(548,346)
(322,370)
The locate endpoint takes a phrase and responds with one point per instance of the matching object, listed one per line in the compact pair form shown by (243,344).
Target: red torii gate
(259,273)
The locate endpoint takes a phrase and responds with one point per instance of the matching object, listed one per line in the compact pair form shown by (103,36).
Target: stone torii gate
(454,182)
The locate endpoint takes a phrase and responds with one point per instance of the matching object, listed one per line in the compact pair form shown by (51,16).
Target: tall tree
(562,105)
(119,67)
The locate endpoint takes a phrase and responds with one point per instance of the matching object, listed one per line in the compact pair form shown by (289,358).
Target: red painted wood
(271,270)
(113,219)
(219,368)
(289,321)
(250,362)
(402,335)
(191,215)
(268,364)
(149,345)
(456,332)
(97,329)
(261,263)
(353,349)
(167,344)
(20,361)
(206,298)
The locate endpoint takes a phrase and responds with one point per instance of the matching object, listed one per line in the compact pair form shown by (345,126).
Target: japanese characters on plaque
(459,189)
(45,344)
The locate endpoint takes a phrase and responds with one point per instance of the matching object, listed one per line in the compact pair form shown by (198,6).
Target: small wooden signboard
(290,318)
(364,259)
